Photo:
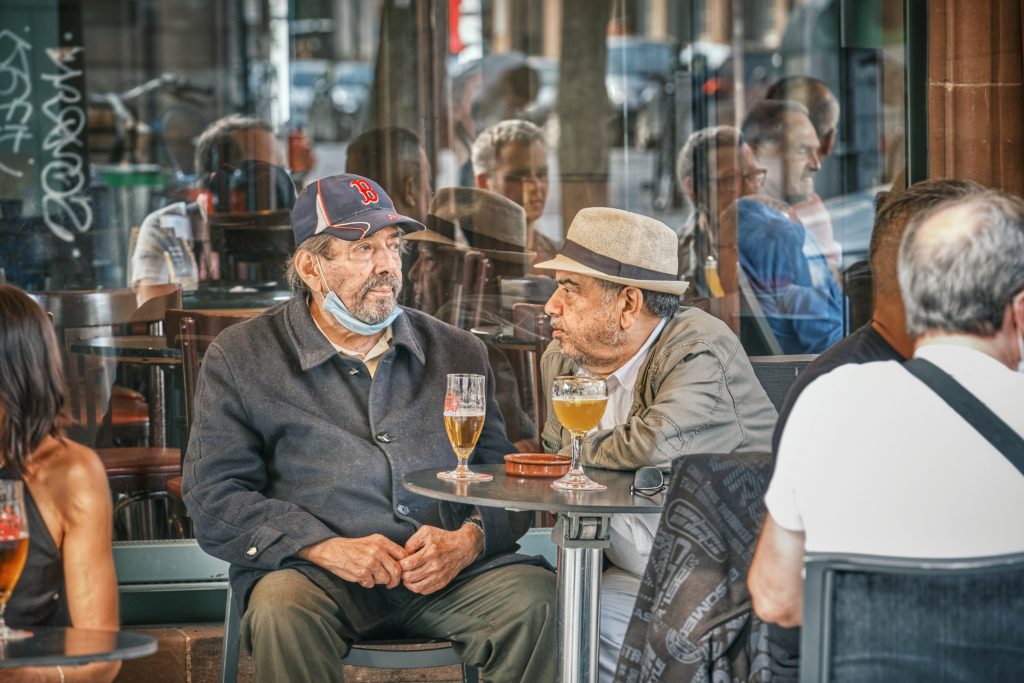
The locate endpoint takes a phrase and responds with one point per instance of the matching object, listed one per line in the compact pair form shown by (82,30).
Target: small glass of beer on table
(579,404)
(465,404)
(13,548)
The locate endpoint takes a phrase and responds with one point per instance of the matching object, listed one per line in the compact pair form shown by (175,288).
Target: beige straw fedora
(622,247)
(471,218)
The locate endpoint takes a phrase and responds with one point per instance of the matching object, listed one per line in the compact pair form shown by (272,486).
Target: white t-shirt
(872,461)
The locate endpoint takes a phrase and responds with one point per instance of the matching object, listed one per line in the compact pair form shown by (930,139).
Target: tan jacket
(696,392)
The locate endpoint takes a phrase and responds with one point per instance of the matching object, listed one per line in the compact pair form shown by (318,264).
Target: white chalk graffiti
(15,95)
(63,178)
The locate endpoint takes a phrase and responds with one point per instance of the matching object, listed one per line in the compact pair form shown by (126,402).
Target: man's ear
(631,301)
(308,268)
(688,188)
(826,144)
(409,197)
(1017,309)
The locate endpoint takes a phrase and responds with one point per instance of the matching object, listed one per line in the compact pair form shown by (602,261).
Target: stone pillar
(975,92)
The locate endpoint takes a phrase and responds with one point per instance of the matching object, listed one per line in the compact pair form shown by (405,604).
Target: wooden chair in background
(192,332)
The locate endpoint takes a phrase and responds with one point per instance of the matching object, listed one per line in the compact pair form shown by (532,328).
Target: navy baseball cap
(346,206)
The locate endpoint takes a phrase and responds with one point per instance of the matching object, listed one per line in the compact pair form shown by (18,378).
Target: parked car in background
(637,73)
(305,73)
(340,101)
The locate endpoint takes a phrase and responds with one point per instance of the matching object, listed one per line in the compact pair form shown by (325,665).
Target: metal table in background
(73,646)
(144,350)
(254,297)
(581,534)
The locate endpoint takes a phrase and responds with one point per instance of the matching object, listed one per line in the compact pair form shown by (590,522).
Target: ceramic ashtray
(536,464)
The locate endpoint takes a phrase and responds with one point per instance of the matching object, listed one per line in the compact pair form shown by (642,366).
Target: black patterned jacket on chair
(693,619)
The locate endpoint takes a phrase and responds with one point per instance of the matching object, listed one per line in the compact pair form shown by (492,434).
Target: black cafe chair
(372,654)
(778,373)
(881,619)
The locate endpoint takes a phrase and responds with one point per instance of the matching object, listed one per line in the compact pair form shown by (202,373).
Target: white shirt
(372,357)
(872,461)
(163,249)
(632,536)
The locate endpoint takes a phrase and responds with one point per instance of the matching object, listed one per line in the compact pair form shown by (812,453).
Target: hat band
(609,266)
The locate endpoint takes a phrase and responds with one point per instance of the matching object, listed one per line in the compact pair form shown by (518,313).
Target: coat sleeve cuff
(269,547)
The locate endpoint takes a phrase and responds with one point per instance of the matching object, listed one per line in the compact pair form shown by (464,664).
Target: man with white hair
(823,112)
(961,272)
(783,263)
(511,158)
(678,379)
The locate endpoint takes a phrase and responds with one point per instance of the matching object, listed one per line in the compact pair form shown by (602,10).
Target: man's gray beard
(379,310)
(609,338)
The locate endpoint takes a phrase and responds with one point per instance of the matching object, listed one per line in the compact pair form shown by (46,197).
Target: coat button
(403,509)
(251,551)
(55,597)
(353,371)
(384,437)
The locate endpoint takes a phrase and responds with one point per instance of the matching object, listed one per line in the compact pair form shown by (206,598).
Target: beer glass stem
(576,466)
(463,468)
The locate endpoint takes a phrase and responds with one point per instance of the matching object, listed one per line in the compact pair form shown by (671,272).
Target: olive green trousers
(502,622)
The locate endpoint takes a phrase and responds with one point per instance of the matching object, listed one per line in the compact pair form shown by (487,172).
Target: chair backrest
(530,320)
(756,334)
(857,283)
(193,332)
(777,374)
(477,274)
(872,618)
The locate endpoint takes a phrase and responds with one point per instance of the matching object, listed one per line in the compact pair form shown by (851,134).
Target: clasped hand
(428,562)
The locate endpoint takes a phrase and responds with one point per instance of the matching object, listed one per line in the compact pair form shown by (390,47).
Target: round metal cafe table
(581,534)
(72,646)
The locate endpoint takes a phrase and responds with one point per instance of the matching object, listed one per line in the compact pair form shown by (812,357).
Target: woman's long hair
(33,394)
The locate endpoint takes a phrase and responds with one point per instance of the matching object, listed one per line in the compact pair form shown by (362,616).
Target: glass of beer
(579,403)
(13,547)
(465,404)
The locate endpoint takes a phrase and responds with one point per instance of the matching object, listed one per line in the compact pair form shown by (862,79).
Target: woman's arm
(89,577)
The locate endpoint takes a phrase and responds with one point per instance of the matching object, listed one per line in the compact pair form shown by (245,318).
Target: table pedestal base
(581,538)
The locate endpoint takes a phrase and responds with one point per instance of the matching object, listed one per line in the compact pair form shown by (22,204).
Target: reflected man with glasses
(678,381)
(308,417)
(714,168)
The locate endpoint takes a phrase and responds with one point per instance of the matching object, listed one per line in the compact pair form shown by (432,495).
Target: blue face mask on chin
(333,305)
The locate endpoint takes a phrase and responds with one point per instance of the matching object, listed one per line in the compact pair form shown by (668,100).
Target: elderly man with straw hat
(678,380)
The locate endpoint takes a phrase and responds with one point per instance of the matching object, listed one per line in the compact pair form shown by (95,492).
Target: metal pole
(580,542)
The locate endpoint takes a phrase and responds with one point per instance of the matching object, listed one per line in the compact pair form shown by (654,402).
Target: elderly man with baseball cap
(307,417)
(678,379)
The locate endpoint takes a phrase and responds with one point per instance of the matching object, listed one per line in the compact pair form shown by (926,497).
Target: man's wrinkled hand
(436,556)
(368,561)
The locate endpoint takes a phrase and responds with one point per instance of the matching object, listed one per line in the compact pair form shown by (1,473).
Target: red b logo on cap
(370,195)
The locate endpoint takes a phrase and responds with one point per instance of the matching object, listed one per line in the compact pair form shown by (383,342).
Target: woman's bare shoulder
(67,469)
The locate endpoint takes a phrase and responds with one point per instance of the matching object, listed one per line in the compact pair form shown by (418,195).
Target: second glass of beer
(579,403)
(465,404)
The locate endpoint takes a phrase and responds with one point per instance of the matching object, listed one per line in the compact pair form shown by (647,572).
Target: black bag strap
(977,414)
